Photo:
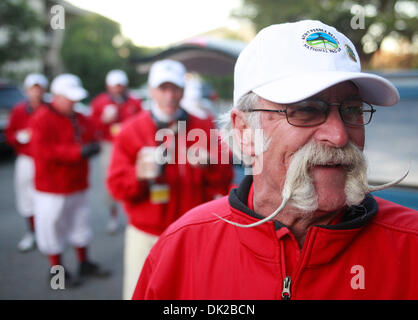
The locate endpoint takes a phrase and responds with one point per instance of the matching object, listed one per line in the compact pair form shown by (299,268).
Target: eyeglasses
(309,113)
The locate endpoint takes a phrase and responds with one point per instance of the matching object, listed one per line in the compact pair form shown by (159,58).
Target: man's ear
(243,132)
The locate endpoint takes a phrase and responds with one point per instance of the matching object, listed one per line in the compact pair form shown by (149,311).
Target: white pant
(61,220)
(24,185)
(137,246)
(105,156)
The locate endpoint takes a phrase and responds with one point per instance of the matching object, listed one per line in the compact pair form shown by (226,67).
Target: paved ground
(24,276)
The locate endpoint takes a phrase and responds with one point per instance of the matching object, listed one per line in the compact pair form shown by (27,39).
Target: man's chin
(331,198)
(170,109)
(331,204)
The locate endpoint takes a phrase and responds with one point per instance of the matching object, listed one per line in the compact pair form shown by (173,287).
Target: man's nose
(333,131)
(170,93)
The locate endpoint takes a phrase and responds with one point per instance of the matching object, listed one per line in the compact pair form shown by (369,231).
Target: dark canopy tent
(214,57)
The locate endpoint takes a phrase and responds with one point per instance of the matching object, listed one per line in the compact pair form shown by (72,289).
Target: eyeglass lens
(310,113)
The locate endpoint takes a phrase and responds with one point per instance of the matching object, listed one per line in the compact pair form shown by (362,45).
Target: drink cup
(149,165)
(109,113)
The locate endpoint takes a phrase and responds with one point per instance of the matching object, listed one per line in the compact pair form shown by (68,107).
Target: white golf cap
(35,79)
(167,71)
(117,77)
(289,62)
(69,86)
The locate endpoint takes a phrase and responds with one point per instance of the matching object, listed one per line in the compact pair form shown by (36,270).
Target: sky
(154,23)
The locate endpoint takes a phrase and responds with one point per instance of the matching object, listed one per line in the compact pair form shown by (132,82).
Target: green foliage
(17,21)
(88,52)
(93,46)
(129,51)
(382,17)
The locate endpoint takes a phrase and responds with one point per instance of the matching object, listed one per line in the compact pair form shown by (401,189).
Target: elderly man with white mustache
(304,225)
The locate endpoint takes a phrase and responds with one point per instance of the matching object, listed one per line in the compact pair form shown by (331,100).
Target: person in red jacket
(154,192)
(62,142)
(18,135)
(304,225)
(109,110)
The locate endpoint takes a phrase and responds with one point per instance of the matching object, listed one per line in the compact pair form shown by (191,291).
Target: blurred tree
(17,23)
(223,85)
(93,45)
(128,50)
(381,18)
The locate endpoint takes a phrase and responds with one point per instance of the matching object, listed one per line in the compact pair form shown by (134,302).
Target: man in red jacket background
(63,141)
(304,224)
(155,194)
(18,135)
(109,110)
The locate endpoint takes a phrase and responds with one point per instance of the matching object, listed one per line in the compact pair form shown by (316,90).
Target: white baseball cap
(115,77)
(35,78)
(69,86)
(289,62)
(167,71)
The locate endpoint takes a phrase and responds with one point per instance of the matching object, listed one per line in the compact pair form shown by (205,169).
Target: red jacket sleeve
(11,128)
(96,114)
(135,107)
(44,146)
(217,175)
(91,134)
(142,290)
(121,180)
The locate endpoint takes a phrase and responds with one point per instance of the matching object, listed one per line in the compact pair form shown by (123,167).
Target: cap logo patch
(350,53)
(320,40)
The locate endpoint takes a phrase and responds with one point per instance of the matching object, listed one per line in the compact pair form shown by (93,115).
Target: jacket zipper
(287,282)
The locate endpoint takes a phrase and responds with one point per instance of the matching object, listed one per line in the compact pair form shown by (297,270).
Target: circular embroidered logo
(350,53)
(321,40)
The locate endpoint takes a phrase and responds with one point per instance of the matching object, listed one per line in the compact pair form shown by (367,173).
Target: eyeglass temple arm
(268,110)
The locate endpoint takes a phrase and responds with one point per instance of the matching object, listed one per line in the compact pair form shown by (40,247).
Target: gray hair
(246,103)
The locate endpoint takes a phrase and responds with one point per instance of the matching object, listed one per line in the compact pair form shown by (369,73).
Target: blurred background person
(18,135)
(109,110)
(153,194)
(193,101)
(63,141)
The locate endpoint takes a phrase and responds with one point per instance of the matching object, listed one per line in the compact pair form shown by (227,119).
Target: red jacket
(372,253)
(189,185)
(107,131)
(56,148)
(19,120)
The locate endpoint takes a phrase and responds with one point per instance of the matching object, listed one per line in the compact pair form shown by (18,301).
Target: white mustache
(333,156)
(390,184)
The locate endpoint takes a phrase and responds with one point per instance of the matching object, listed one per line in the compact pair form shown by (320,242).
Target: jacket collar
(163,121)
(329,239)
(118,100)
(29,108)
